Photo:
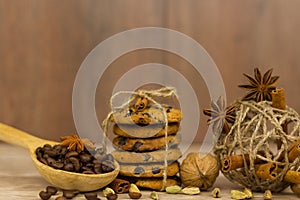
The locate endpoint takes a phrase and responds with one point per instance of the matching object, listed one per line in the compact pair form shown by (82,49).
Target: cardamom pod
(191,190)
(134,192)
(154,195)
(249,193)
(174,189)
(108,191)
(267,195)
(235,194)
(216,193)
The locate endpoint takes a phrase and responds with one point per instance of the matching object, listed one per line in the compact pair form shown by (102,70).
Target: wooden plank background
(43,43)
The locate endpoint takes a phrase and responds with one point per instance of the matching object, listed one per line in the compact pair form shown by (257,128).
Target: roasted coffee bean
(51,189)
(69,167)
(50,161)
(88,172)
(47,147)
(107,166)
(57,165)
(63,151)
(90,195)
(95,161)
(52,153)
(39,152)
(60,198)
(90,165)
(59,157)
(57,147)
(139,170)
(75,163)
(44,195)
(85,157)
(108,157)
(71,154)
(43,160)
(46,156)
(85,168)
(98,168)
(112,196)
(69,194)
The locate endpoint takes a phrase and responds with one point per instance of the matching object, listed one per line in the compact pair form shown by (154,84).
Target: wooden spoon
(59,178)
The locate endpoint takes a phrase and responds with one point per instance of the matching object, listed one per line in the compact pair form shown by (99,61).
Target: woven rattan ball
(261,134)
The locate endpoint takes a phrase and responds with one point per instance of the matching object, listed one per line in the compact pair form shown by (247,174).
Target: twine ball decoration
(259,147)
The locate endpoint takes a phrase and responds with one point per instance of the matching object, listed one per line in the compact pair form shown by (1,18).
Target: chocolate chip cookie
(145,131)
(146,157)
(150,115)
(142,145)
(148,170)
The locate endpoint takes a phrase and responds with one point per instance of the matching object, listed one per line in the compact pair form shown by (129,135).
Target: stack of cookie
(140,144)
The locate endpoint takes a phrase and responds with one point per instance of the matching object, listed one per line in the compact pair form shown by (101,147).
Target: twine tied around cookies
(149,95)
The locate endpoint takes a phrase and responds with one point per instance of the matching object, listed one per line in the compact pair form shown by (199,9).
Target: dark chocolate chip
(122,141)
(44,195)
(139,170)
(169,109)
(146,157)
(155,170)
(129,113)
(137,145)
(147,114)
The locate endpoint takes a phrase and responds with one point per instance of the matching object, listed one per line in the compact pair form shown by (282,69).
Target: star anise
(222,118)
(260,87)
(73,142)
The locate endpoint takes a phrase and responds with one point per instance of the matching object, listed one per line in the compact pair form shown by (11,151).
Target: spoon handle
(20,138)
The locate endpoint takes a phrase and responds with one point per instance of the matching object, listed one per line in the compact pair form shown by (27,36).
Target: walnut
(199,170)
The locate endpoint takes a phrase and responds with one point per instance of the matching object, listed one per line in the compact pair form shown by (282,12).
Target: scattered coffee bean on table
(59,157)
(60,198)
(44,195)
(51,189)
(91,196)
(69,194)
(112,196)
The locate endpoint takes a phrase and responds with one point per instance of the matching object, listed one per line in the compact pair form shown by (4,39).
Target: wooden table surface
(20,180)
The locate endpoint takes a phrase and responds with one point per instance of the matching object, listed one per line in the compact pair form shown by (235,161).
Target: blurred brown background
(43,43)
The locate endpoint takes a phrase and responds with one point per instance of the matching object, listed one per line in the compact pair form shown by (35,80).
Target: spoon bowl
(59,178)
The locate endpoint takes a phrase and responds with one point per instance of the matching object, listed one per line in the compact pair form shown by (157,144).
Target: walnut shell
(199,170)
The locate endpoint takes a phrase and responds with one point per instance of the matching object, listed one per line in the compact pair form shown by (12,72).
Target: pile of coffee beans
(68,194)
(59,157)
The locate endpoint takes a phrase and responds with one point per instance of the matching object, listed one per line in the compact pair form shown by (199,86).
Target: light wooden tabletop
(20,180)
